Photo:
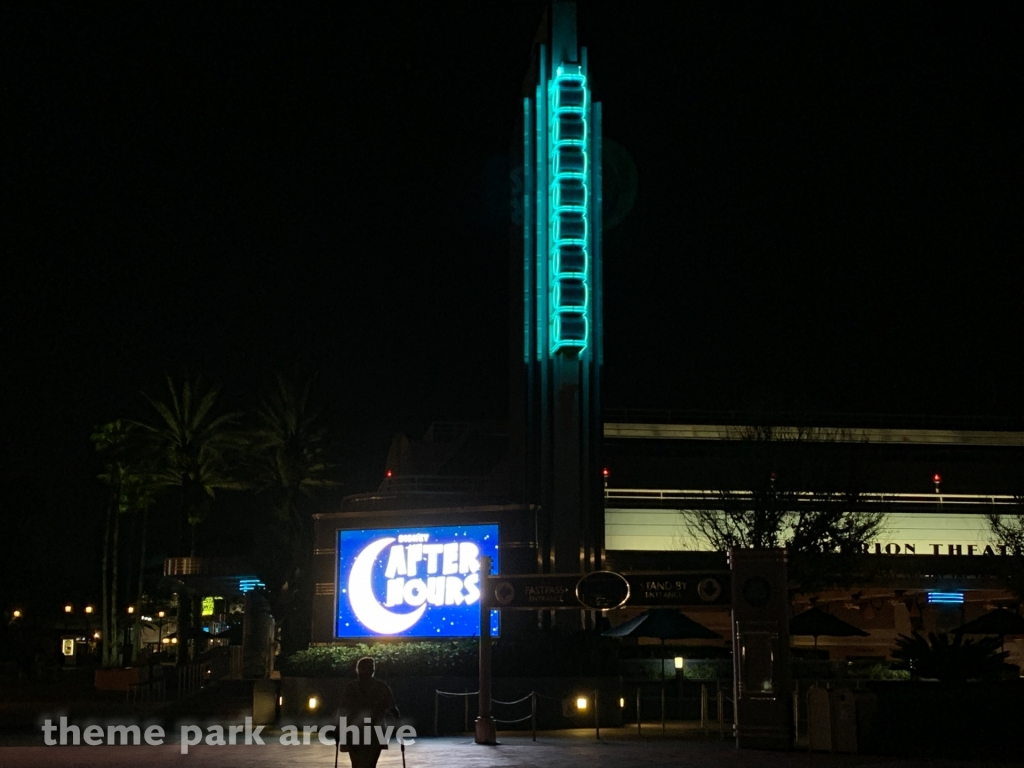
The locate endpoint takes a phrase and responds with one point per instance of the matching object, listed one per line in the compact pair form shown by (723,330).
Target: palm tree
(130,480)
(193,451)
(288,455)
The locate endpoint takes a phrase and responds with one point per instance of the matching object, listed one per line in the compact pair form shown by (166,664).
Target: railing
(193,677)
(151,690)
(594,704)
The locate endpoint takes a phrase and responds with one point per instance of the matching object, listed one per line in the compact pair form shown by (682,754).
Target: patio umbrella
(998,622)
(815,622)
(663,624)
(233,634)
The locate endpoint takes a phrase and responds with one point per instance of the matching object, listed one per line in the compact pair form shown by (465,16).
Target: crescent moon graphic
(372,614)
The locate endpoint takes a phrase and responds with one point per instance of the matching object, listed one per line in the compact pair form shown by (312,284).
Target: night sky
(828,213)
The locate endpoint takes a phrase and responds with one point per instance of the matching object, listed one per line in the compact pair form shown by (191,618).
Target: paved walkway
(617,749)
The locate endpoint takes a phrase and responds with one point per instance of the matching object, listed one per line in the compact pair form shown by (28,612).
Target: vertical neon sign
(568,229)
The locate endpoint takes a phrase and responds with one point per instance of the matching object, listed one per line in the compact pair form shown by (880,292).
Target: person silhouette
(365,701)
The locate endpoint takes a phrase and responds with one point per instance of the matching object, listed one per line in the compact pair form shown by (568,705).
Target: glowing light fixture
(568,229)
(131,609)
(68,608)
(678,661)
(166,640)
(248,585)
(622,703)
(88,609)
(313,702)
(581,703)
(16,614)
(280,701)
(946,598)
(174,641)
(160,614)
(95,635)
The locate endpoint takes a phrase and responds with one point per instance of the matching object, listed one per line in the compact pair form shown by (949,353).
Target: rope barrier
(517,701)
(468,693)
(520,720)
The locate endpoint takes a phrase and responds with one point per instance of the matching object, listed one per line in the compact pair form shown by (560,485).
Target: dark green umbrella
(1000,622)
(663,624)
(815,622)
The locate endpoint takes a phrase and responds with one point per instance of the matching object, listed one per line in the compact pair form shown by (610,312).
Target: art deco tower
(557,334)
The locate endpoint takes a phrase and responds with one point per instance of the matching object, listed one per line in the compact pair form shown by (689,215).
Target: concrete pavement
(618,748)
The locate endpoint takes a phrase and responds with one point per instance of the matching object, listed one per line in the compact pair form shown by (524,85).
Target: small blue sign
(413,582)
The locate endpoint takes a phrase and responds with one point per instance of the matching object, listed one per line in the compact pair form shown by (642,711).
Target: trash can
(819,720)
(264,702)
(854,720)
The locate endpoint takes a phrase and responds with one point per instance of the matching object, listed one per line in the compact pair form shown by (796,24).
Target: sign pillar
(760,642)
(485,727)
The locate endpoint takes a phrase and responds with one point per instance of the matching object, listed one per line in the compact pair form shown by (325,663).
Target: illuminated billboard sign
(413,582)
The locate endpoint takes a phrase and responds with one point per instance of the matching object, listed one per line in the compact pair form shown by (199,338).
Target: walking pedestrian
(365,702)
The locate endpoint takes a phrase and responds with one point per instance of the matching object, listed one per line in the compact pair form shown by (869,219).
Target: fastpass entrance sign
(412,582)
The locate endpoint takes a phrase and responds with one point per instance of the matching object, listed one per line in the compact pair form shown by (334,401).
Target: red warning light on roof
(388,473)
(936,478)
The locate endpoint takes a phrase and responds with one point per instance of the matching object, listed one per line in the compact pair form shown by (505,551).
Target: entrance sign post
(760,649)
(485,729)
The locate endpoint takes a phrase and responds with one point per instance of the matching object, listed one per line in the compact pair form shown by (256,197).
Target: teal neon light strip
(568,228)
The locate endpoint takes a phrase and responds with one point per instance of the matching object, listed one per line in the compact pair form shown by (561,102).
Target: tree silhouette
(193,451)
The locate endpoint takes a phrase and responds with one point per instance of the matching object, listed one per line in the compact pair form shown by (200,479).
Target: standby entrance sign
(412,582)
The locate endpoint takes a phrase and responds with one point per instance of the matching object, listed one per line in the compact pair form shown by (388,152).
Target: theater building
(571,487)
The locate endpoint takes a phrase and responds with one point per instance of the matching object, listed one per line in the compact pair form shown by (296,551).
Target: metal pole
(437,698)
(638,733)
(662,710)
(533,714)
(597,714)
(796,710)
(704,718)
(485,727)
(465,713)
(721,710)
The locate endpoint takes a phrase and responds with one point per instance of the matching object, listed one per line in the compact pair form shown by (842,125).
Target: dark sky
(828,213)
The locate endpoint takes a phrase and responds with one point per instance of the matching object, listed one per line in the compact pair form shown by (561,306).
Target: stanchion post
(465,713)
(638,731)
(533,714)
(597,714)
(705,717)
(437,698)
(721,710)
(662,710)
(796,710)
(486,732)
